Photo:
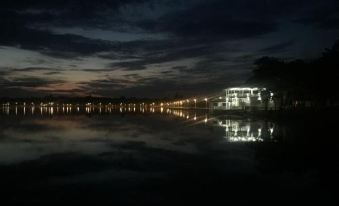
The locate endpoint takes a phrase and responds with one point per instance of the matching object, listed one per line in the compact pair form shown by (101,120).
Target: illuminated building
(243,98)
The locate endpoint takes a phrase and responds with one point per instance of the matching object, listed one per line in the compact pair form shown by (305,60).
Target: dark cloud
(16,71)
(278,47)
(30,69)
(17,20)
(106,85)
(65,12)
(22,86)
(225,20)
(165,54)
(212,21)
(208,75)
(131,65)
(53,73)
(61,46)
(28,82)
(4,72)
(223,29)
(325,15)
(133,76)
(217,40)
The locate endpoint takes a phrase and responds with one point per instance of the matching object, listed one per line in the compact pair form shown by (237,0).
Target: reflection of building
(243,98)
(246,131)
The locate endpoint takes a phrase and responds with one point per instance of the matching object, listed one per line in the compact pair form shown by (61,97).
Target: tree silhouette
(297,82)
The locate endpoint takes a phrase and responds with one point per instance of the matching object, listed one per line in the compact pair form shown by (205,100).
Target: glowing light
(242,88)
(7,110)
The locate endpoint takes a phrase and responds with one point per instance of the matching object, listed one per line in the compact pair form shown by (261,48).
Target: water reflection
(235,129)
(246,130)
(124,146)
(67,109)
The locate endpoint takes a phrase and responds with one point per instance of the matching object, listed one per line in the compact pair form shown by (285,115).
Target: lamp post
(206,102)
(195,103)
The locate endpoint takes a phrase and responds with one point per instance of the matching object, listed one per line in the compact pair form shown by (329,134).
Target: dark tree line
(298,83)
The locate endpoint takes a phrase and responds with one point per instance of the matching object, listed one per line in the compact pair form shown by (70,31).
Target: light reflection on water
(235,129)
(90,145)
(246,130)
(32,132)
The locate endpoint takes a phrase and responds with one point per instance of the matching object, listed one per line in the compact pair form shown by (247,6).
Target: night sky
(152,47)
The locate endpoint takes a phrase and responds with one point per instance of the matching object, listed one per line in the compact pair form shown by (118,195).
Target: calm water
(164,156)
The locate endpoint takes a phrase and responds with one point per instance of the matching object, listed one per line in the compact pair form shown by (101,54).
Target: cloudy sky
(152,47)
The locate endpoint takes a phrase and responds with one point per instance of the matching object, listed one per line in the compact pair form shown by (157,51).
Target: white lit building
(243,98)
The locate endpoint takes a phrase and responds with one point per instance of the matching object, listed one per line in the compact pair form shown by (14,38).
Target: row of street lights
(178,103)
(187,102)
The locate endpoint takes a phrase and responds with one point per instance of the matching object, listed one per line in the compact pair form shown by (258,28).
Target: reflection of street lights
(206,102)
(195,103)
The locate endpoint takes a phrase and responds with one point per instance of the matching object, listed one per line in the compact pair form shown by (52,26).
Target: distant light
(243,88)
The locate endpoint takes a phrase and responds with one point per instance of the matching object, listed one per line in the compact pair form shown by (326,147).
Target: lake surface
(159,156)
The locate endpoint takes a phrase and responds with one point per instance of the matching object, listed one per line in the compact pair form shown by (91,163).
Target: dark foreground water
(165,157)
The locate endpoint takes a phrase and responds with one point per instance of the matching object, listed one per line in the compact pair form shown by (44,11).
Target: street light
(206,102)
(195,103)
